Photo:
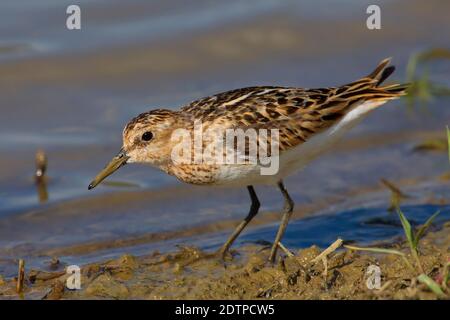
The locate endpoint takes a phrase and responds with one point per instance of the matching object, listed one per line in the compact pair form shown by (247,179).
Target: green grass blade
(411,67)
(433,54)
(424,228)
(446,277)
(422,89)
(407,228)
(375,250)
(431,284)
(383,250)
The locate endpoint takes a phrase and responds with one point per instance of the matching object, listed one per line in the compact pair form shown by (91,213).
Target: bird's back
(298,113)
(303,117)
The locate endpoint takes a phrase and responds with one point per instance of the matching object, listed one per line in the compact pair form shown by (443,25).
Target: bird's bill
(117,162)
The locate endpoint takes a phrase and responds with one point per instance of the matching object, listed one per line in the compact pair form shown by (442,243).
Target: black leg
(253,211)
(287,212)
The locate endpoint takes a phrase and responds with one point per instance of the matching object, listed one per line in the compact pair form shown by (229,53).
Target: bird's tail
(381,73)
(369,87)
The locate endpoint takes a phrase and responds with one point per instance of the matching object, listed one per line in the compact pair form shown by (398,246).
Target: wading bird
(309,122)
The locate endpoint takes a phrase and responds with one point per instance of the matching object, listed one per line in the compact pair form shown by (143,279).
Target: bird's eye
(147,136)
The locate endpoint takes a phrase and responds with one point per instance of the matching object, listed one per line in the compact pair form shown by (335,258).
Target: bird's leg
(287,212)
(253,211)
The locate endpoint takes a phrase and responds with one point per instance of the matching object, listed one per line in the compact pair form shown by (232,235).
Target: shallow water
(70,93)
(360,225)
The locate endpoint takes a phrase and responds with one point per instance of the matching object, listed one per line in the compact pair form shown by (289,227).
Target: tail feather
(381,73)
(377,74)
(399,89)
(370,86)
(385,74)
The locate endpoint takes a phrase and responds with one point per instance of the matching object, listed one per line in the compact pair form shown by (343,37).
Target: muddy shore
(190,273)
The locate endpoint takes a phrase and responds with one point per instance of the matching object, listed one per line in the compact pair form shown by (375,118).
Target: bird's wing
(297,113)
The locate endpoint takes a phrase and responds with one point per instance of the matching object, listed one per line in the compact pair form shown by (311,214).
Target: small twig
(384,287)
(41,165)
(335,245)
(40,175)
(323,256)
(285,250)
(20,276)
(415,255)
(412,289)
(325,267)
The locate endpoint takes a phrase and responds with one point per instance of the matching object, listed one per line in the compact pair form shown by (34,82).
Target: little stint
(307,122)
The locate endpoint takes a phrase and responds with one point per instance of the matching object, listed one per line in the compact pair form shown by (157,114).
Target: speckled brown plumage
(298,113)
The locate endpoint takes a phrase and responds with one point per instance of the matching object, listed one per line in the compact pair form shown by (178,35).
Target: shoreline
(190,273)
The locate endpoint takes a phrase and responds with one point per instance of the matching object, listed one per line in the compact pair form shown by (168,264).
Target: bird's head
(146,139)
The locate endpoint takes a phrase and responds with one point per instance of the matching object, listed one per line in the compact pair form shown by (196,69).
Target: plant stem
(415,254)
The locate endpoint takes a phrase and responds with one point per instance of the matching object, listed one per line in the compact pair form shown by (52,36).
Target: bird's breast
(199,174)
